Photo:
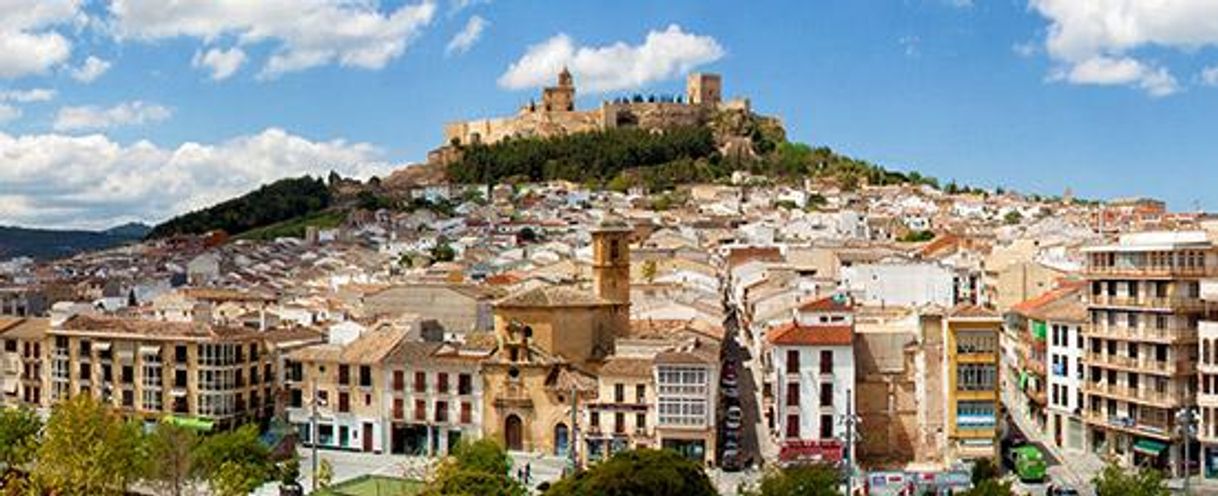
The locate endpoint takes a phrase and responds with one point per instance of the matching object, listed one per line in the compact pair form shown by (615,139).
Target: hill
(279,201)
(47,244)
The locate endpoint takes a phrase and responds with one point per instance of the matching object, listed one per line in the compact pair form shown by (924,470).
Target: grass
(295,228)
(374,485)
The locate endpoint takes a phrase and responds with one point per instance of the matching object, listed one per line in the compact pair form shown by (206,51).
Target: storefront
(693,449)
(1148,452)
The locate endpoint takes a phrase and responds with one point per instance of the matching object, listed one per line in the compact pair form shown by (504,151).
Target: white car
(732,417)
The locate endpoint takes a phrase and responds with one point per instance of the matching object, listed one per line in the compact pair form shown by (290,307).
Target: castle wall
(527,124)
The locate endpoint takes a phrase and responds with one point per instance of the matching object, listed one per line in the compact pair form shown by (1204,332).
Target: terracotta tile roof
(827,304)
(793,334)
(150,329)
(741,256)
(369,348)
(1065,289)
(217,294)
(553,296)
(972,312)
(626,367)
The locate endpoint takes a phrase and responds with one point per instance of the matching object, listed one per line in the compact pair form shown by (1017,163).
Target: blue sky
(187,104)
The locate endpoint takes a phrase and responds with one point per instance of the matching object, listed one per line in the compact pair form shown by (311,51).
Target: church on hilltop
(556,114)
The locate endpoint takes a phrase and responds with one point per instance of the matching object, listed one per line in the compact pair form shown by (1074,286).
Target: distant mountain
(47,244)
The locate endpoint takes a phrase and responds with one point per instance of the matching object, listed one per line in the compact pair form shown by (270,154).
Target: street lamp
(851,421)
(314,403)
(1186,424)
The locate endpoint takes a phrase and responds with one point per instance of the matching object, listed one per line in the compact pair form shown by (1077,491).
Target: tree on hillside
(234,462)
(478,468)
(812,480)
(87,449)
(443,252)
(643,472)
(170,450)
(1117,481)
(1013,217)
(19,429)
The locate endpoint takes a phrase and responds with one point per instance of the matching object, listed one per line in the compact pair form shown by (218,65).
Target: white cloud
(92,69)
(910,45)
(663,55)
(1209,76)
(222,63)
(29,43)
(93,182)
(303,33)
(124,114)
(467,37)
(1098,38)
(8,113)
(27,96)
(1025,49)
(456,6)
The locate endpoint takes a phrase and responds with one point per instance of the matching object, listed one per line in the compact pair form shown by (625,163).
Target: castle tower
(560,98)
(703,89)
(611,261)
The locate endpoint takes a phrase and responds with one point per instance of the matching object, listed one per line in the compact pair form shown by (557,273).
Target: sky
(136,110)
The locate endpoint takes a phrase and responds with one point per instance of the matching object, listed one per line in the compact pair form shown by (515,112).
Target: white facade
(901,284)
(822,403)
(1065,376)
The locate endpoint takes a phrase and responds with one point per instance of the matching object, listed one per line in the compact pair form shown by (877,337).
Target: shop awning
(1149,447)
(197,423)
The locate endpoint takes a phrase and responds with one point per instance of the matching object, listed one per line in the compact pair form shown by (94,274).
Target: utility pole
(851,422)
(314,402)
(1184,422)
(574,429)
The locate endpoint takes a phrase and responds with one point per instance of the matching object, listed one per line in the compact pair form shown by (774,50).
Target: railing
(1172,302)
(1168,399)
(1159,428)
(1150,270)
(1144,364)
(1145,332)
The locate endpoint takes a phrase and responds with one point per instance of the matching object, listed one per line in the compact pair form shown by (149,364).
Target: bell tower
(611,260)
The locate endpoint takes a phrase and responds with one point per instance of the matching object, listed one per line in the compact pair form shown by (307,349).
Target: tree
(1013,217)
(1117,481)
(641,472)
(234,462)
(649,271)
(19,429)
(325,473)
(984,470)
(170,450)
(443,252)
(87,449)
(527,235)
(478,468)
(812,480)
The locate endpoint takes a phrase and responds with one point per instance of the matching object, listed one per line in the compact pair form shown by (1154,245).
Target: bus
(1030,463)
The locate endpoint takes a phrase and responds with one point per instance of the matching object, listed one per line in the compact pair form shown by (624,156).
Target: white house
(901,283)
(812,359)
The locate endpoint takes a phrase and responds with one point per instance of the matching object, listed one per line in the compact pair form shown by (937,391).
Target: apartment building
(343,383)
(1050,372)
(434,397)
(1141,347)
(970,336)
(21,379)
(813,381)
(1207,391)
(622,416)
(208,375)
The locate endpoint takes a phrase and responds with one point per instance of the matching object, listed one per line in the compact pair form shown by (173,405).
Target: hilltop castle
(556,114)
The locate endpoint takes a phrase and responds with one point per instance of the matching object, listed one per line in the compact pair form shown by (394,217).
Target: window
(128,374)
(976,342)
(619,393)
(397,408)
(619,423)
(792,394)
(640,393)
(399,380)
(441,411)
(793,426)
(344,375)
(640,421)
(365,376)
(826,426)
(682,396)
(179,378)
(465,384)
(179,353)
(297,399)
(442,382)
(975,415)
(344,402)
(10,345)
(976,377)
(86,372)
(420,410)
(594,420)
(826,361)
(420,382)
(792,361)
(826,394)
(467,412)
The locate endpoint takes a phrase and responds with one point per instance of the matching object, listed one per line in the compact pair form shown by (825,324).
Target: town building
(21,369)
(1141,347)
(972,406)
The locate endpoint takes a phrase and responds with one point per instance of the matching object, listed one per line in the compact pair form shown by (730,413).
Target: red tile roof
(1065,289)
(793,334)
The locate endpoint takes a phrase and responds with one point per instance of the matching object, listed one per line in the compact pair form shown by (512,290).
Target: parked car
(1056,490)
(732,391)
(733,417)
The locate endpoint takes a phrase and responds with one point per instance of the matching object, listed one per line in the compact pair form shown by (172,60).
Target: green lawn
(374,485)
(295,228)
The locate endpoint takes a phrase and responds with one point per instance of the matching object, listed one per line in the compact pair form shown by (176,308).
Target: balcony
(1146,427)
(1095,271)
(1144,364)
(1145,333)
(1173,303)
(1168,399)
(513,394)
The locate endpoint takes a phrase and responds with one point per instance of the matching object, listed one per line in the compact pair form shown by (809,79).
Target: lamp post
(314,403)
(851,421)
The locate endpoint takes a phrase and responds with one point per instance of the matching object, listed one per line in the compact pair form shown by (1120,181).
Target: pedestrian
(519,474)
(528,472)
